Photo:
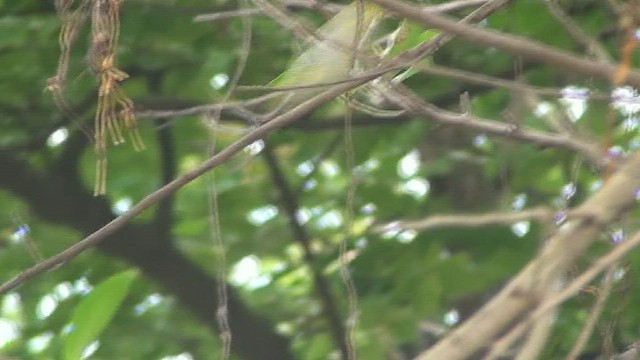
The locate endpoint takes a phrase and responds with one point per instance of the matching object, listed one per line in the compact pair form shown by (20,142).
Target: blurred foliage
(406,170)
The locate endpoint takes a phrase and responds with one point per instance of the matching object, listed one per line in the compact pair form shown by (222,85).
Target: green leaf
(95,311)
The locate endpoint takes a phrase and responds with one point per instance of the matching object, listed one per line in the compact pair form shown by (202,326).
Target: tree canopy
(469,192)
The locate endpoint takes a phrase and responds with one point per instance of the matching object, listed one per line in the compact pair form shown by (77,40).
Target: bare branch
(569,291)
(452,6)
(482,79)
(235,107)
(222,15)
(590,44)
(571,240)
(331,9)
(511,43)
(596,310)
(537,337)
(632,353)
(403,97)
(153,198)
(474,220)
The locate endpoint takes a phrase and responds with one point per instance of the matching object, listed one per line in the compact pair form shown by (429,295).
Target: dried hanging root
(115,113)
(72,21)
(105,29)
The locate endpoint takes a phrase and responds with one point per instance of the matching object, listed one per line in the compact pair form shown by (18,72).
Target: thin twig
(234,107)
(596,310)
(516,45)
(483,79)
(462,221)
(590,44)
(569,291)
(331,9)
(568,243)
(403,97)
(222,15)
(540,331)
(452,6)
(220,251)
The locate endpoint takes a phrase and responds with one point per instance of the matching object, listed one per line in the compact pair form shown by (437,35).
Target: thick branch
(568,243)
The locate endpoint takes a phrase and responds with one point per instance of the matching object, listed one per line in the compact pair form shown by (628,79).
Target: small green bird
(330,59)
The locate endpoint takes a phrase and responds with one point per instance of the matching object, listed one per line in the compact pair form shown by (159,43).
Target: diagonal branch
(167,190)
(473,220)
(58,196)
(573,288)
(593,47)
(523,292)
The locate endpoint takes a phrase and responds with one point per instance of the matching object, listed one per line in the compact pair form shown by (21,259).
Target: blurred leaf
(96,310)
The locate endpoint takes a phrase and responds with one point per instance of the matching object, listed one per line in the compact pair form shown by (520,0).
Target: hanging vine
(115,112)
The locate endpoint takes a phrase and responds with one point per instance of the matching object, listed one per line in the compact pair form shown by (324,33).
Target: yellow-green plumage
(329,60)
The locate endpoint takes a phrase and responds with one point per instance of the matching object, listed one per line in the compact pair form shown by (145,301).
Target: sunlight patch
(329,168)
(38,344)
(183,356)
(519,202)
(148,303)
(417,187)
(57,137)
(11,305)
(521,228)
(304,168)
(8,332)
(331,219)
(122,206)
(481,142)
(574,100)
(303,215)
(254,148)
(452,317)
(248,273)
(543,109)
(406,236)
(82,286)
(368,209)
(626,100)
(46,307)
(90,349)
(409,165)
(218,81)
(20,234)
(309,185)
(261,215)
